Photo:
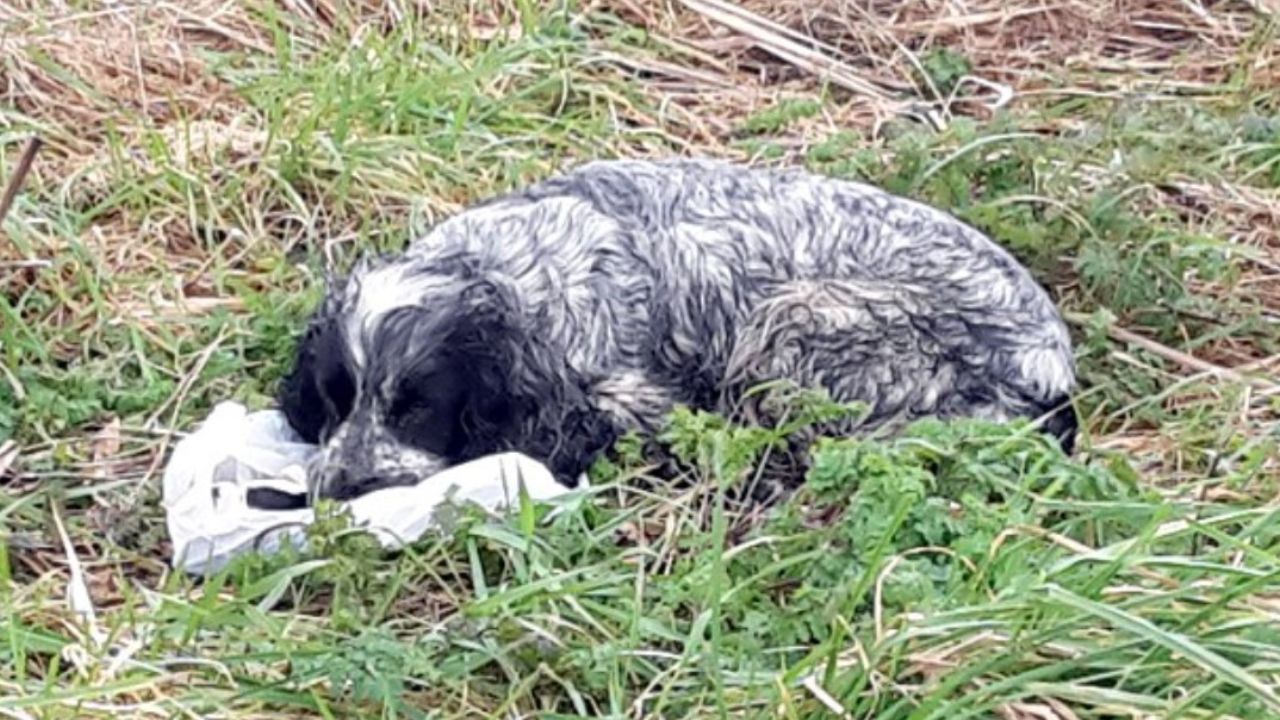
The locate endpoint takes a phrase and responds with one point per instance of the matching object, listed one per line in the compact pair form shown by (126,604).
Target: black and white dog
(555,319)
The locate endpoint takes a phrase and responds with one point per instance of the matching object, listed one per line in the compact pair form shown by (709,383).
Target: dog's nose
(340,483)
(334,482)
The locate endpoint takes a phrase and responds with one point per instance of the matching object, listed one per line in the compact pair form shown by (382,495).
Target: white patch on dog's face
(368,451)
(384,460)
(373,293)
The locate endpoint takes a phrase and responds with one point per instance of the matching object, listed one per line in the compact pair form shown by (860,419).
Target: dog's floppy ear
(299,393)
(486,343)
(319,389)
(520,386)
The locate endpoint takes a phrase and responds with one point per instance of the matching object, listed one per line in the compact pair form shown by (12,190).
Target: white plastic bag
(235,454)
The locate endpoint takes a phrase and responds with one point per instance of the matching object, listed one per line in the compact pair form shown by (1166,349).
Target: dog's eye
(339,389)
(409,402)
(425,408)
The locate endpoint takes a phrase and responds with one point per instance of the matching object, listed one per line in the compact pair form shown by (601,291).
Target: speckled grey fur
(597,299)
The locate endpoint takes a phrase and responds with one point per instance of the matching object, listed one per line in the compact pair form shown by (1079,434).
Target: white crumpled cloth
(211,472)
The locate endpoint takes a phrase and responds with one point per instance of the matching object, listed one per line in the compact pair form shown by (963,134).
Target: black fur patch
(320,390)
(1063,423)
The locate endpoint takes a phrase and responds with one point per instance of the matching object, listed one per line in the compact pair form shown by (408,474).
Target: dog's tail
(1060,420)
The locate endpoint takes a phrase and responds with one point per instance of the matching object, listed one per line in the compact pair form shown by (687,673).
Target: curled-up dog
(552,320)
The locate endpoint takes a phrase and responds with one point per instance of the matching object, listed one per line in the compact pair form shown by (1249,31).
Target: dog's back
(704,275)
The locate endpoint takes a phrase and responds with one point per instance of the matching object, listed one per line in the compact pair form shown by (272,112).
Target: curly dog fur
(555,319)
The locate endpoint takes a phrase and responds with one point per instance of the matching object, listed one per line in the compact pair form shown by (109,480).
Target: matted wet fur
(554,319)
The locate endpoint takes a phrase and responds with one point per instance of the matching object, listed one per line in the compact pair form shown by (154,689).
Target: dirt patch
(94,72)
(952,53)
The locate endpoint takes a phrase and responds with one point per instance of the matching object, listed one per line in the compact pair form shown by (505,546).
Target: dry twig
(19,176)
(1173,355)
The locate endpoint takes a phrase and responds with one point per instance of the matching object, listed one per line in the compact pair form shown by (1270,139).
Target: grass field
(203,163)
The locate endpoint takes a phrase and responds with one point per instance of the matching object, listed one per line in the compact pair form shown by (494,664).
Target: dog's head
(405,370)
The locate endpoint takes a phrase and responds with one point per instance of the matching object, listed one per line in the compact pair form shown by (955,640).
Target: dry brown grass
(136,68)
(80,74)
(1162,47)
